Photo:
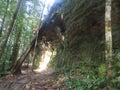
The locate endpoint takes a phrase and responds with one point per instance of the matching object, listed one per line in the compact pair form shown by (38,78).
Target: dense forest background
(25,20)
(80,38)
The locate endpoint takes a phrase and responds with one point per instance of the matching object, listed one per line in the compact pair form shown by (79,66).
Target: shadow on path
(31,81)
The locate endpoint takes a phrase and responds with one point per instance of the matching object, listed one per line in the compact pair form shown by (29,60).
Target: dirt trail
(31,81)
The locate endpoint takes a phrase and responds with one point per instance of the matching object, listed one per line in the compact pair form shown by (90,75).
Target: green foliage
(86,83)
(116,63)
(23,28)
(117,55)
(116,83)
(102,70)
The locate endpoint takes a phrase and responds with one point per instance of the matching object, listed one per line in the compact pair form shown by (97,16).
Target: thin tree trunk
(3,45)
(3,20)
(3,68)
(17,67)
(15,50)
(34,56)
(108,42)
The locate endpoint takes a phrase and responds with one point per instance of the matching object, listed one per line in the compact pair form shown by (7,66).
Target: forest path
(45,80)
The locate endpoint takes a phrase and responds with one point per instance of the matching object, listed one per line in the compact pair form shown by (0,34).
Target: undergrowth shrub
(86,83)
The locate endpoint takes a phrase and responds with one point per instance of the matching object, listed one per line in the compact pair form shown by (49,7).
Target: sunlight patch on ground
(45,60)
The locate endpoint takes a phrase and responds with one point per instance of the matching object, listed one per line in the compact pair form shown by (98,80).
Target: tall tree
(18,28)
(3,45)
(16,46)
(108,42)
(3,19)
(16,69)
(37,37)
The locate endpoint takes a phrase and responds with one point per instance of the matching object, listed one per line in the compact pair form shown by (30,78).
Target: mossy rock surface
(84,35)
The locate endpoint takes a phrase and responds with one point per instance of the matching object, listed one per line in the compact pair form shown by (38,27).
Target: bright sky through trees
(48,4)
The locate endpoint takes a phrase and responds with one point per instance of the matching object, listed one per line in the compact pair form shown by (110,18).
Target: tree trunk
(17,67)
(34,55)
(3,68)
(15,50)
(27,51)
(108,42)
(3,20)
(3,45)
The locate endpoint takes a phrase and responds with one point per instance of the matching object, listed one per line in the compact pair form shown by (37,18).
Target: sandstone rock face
(84,34)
